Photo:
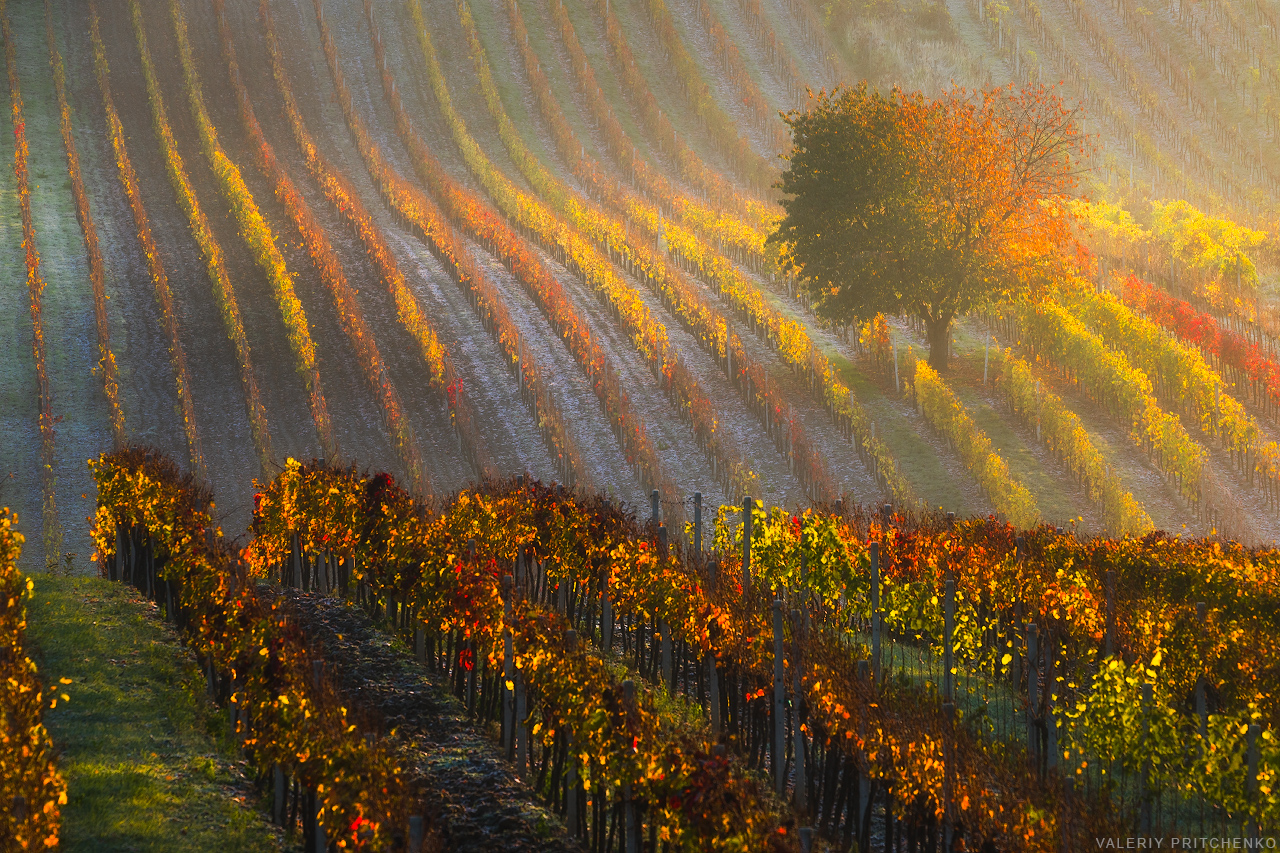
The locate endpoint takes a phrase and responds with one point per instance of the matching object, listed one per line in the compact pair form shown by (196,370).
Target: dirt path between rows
(478,803)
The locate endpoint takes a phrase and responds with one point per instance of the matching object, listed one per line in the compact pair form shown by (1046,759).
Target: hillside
(526,238)
(549,515)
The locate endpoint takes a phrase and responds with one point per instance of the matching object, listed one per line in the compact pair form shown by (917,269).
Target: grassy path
(148,763)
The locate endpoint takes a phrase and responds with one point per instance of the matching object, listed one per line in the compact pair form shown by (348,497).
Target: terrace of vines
(465,324)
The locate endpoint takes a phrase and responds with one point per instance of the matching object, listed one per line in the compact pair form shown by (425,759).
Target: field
(435,271)
(461,242)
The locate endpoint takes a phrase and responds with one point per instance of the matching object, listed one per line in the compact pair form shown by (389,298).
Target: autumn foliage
(659,127)
(929,207)
(287,715)
(1245,361)
(330,268)
(106,365)
(254,230)
(1138,597)
(210,249)
(31,788)
(155,264)
(35,299)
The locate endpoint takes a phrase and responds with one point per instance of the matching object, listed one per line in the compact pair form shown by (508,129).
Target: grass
(1057,506)
(917,461)
(502,64)
(148,762)
(590,34)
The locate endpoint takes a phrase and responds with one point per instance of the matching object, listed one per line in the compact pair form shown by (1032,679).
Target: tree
(929,207)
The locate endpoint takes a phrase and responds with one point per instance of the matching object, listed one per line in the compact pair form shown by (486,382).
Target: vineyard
(716,572)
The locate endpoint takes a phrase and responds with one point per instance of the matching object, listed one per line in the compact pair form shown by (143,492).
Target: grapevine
(209,247)
(253,228)
(713,332)
(29,777)
(155,265)
(106,358)
(331,272)
(35,297)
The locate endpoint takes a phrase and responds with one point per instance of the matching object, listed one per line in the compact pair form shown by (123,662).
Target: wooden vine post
(1145,817)
(417,834)
(747,503)
(875,611)
(1251,775)
(797,714)
(631,824)
(779,703)
(280,800)
(572,786)
(1033,683)
(948,653)
(864,778)
(697,524)
(948,768)
(713,693)
(1109,648)
(523,756)
(508,670)
(1050,719)
(1202,705)
(295,561)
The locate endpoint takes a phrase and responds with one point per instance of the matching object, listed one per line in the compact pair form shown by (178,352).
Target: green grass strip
(148,763)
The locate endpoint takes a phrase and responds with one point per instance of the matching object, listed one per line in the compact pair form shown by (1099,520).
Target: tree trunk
(938,331)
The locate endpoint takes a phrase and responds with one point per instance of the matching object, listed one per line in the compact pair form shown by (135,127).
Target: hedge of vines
(154,525)
(31,788)
(945,413)
(97,278)
(670,283)
(539,222)
(330,268)
(1130,629)
(1068,438)
(444,568)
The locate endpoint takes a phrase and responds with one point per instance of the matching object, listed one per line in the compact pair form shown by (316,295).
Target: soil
(670,436)
(473,801)
(733,414)
(508,431)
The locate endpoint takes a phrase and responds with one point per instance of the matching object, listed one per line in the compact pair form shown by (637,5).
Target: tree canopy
(900,203)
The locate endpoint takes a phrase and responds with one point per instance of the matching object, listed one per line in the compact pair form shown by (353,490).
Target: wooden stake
(797,717)
(875,612)
(779,702)
(697,523)
(948,653)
